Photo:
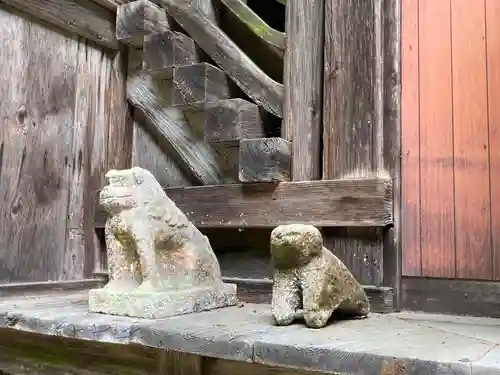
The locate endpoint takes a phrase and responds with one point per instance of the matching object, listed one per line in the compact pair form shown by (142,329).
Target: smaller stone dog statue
(308,276)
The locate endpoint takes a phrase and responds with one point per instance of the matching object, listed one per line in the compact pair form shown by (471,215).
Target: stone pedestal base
(162,304)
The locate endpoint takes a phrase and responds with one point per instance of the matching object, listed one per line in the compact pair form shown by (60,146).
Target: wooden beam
(265,160)
(163,51)
(303,82)
(242,70)
(83,18)
(229,121)
(353,140)
(345,203)
(50,286)
(195,158)
(273,38)
(138,19)
(197,84)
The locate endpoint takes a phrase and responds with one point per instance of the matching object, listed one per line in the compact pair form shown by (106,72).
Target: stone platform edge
(380,345)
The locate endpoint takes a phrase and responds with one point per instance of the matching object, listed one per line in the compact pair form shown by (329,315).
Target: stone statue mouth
(114,196)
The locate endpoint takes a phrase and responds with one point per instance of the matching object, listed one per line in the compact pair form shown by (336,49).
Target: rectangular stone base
(162,304)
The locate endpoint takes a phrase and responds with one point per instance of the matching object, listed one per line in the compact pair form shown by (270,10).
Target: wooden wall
(61,103)
(451,138)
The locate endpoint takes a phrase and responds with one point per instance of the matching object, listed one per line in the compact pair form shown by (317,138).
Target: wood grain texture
(137,19)
(163,51)
(197,84)
(361,203)
(303,83)
(83,18)
(493,55)
(38,73)
(185,145)
(470,141)
(412,261)
(352,77)
(242,70)
(445,296)
(392,88)
(178,363)
(229,121)
(353,142)
(148,154)
(265,160)
(436,152)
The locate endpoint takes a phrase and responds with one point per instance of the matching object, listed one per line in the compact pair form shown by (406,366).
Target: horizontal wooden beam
(50,286)
(326,203)
(82,17)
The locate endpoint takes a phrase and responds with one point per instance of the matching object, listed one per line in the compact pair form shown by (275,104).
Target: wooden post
(361,118)
(303,87)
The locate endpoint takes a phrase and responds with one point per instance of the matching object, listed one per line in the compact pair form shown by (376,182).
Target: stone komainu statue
(159,263)
(309,280)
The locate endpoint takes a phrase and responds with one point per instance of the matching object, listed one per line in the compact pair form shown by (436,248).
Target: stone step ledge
(380,345)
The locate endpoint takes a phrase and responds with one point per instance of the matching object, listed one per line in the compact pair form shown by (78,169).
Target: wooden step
(195,85)
(265,160)
(163,51)
(254,82)
(137,19)
(227,122)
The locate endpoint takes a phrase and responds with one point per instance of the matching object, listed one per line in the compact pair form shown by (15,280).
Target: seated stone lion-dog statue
(159,263)
(309,281)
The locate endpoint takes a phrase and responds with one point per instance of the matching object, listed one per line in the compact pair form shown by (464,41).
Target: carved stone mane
(159,263)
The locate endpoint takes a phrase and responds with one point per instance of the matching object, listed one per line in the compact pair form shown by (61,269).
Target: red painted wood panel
(455,137)
(412,261)
(471,151)
(493,70)
(436,139)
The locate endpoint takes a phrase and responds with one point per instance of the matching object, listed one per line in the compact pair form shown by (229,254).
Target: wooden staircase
(209,86)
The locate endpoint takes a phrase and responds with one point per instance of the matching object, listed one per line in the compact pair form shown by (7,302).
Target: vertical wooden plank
(74,262)
(120,121)
(436,140)
(412,265)
(99,67)
(493,76)
(471,148)
(303,86)
(392,250)
(38,69)
(353,119)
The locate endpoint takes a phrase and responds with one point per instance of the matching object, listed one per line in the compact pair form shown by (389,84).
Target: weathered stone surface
(381,345)
(310,282)
(160,265)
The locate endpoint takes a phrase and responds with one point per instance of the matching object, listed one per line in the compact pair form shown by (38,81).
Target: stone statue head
(295,245)
(128,188)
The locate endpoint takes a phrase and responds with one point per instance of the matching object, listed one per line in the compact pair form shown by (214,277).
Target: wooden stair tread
(197,84)
(137,19)
(163,51)
(266,92)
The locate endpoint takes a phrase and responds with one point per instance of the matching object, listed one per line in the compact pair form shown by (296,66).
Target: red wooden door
(451,138)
